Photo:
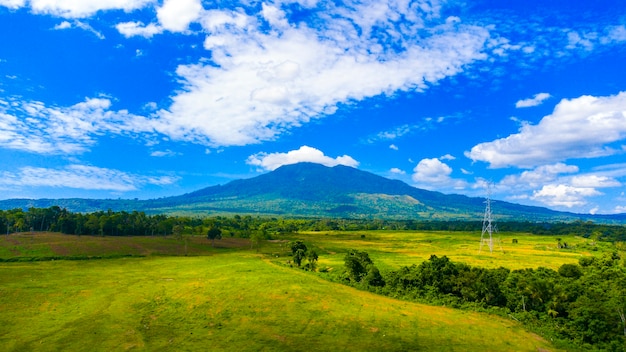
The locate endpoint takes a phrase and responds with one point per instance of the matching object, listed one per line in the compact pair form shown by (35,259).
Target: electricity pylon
(488,227)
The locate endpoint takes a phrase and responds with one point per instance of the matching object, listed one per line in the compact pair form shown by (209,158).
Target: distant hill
(313,190)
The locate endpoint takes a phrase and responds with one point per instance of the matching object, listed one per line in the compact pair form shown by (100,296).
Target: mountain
(313,190)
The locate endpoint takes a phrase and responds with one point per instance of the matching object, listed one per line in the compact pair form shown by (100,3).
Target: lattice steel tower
(487,224)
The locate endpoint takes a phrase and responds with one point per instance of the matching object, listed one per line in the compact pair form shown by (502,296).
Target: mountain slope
(308,189)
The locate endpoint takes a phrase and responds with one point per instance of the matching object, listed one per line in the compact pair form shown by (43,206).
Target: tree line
(584,303)
(136,223)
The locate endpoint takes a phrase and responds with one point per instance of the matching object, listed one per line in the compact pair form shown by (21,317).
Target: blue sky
(147,98)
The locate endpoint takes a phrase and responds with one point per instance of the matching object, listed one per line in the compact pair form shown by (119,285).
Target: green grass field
(230,298)
(232,301)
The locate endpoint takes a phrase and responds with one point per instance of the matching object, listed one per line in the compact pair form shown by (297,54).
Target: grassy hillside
(232,301)
(229,298)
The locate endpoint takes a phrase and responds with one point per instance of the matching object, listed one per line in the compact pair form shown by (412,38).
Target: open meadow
(393,249)
(231,297)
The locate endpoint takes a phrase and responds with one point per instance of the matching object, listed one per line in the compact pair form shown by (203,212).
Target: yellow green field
(392,249)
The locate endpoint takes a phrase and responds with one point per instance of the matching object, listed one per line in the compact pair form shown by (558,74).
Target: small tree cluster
(300,252)
(360,268)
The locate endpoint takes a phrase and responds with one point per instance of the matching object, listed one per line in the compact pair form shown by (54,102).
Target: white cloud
(564,195)
(534,101)
(162,153)
(81,25)
(273,161)
(176,15)
(34,127)
(594,181)
(578,128)
(12,4)
(63,25)
(584,41)
(131,29)
(78,8)
(447,157)
(561,185)
(431,171)
(393,146)
(395,170)
(537,177)
(274,15)
(263,82)
(173,16)
(80,177)
(434,174)
(393,133)
(620,209)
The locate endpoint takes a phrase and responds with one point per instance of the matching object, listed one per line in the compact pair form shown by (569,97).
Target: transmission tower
(488,227)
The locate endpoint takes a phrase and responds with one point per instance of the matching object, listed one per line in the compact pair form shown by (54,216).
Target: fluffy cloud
(34,127)
(63,25)
(12,4)
(173,16)
(561,185)
(176,15)
(80,177)
(76,9)
(131,29)
(431,171)
(594,181)
(396,171)
(564,195)
(534,101)
(578,128)
(435,174)
(273,161)
(261,82)
(537,177)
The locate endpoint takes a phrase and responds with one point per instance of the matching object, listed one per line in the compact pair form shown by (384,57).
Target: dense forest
(136,223)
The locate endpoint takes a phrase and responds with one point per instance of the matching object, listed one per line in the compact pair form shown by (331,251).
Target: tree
(373,277)
(298,251)
(213,234)
(356,263)
(298,255)
(312,258)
